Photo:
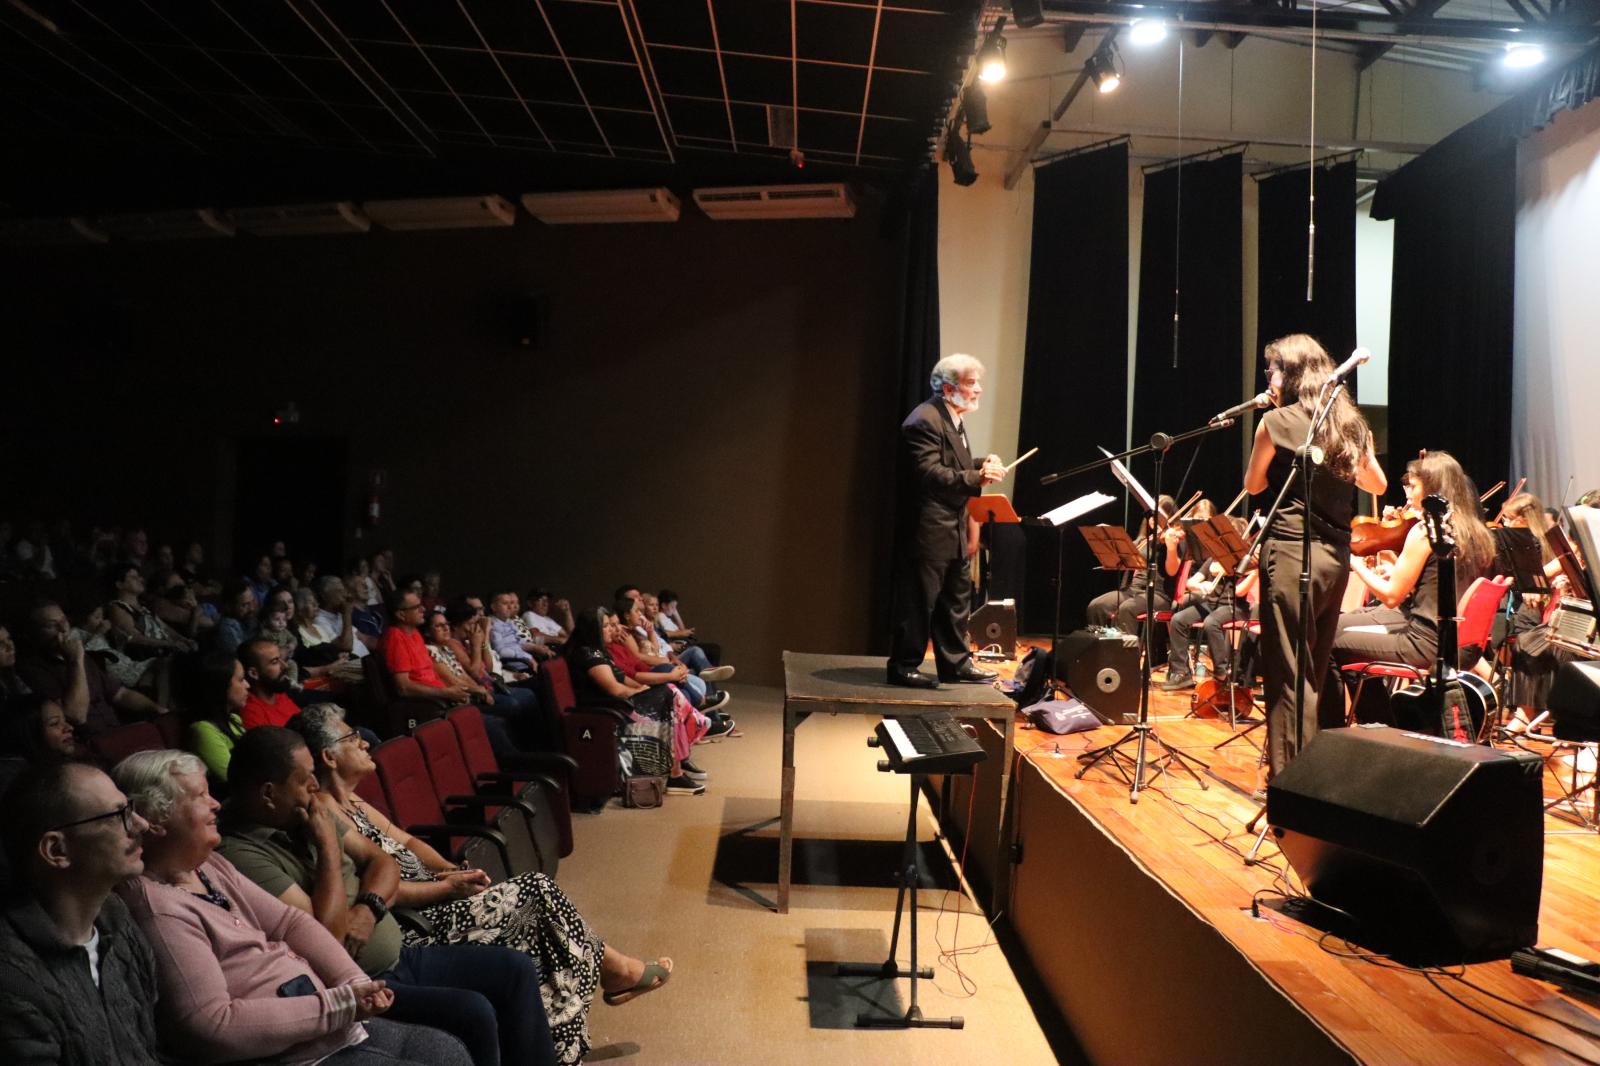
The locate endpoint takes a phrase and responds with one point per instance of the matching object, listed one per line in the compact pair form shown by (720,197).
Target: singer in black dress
(1297,369)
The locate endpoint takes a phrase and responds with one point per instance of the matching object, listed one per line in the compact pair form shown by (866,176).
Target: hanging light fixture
(992,54)
(1521,56)
(975,105)
(958,153)
(1147,31)
(1103,71)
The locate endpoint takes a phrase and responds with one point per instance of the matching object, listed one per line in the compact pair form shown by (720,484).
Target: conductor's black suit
(935,478)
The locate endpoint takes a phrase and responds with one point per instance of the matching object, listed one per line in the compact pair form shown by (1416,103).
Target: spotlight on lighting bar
(1522,56)
(1147,31)
(959,156)
(1104,73)
(992,55)
(975,105)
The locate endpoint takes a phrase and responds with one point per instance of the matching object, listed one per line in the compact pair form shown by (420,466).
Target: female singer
(1403,627)
(1122,605)
(1297,369)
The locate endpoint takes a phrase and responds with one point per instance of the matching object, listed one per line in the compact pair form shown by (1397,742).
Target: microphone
(1254,403)
(1357,357)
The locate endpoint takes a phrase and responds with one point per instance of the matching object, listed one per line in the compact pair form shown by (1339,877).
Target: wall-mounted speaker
(1434,847)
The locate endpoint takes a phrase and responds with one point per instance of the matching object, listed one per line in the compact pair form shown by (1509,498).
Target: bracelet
(374,903)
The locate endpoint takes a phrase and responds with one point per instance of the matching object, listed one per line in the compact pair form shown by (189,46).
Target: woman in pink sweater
(242,974)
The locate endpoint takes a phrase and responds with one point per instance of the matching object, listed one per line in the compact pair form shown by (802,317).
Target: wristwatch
(374,903)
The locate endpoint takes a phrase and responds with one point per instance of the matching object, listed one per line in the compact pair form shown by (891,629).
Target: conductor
(935,476)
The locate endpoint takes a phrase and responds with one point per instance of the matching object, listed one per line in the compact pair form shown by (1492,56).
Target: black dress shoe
(972,675)
(911,678)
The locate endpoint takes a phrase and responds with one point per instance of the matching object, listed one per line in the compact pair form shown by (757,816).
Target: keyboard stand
(910,875)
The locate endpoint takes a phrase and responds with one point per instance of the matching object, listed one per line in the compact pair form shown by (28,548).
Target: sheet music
(1131,483)
(1073,508)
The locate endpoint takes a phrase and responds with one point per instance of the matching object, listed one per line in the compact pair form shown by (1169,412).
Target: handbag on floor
(644,791)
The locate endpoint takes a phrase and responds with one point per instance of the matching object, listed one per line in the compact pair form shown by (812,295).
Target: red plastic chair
(539,777)
(416,808)
(114,745)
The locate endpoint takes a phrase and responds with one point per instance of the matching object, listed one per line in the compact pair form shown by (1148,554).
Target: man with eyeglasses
(407,658)
(77,978)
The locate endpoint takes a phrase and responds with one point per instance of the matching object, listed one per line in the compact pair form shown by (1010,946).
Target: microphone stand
(1142,734)
(1303,467)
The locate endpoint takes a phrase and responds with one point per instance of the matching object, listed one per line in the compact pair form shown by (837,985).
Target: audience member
(336,619)
(11,683)
(136,549)
(244,976)
(283,574)
(141,633)
(77,980)
(35,730)
(177,606)
(691,655)
(552,619)
(56,666)
(407,658)
(677,629)
(267,676)
(432,598)
(260,579)
(510,637)
(275,627)
(215,692)
(322,654)
(368,617)
(239,610)
(528,912)
(194,571)
(277,834)
(382,575)
(659,714)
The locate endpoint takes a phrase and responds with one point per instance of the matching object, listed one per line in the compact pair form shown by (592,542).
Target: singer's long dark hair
(1306,368)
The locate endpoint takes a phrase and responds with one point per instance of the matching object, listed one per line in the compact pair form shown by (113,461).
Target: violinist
(1297,369)
(1533,658)
(1402,627)
(1229,666)
(1122,605)
(1206,591)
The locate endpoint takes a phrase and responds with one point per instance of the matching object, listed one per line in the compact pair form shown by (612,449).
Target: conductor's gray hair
(148,779)
(951,369)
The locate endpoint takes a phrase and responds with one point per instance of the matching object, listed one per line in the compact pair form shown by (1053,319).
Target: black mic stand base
(1141,770)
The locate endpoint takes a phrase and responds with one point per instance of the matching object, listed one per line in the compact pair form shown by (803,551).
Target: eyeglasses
(347,736)
(410,607)
(124,812)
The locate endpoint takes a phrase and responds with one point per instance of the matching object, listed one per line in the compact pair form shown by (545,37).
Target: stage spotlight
(959,155)
(992,58)
(975,105)
(1147,31)
(1104,73)
(1522,56)
(1027,13)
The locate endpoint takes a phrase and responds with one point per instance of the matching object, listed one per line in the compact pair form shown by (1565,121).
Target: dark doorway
(291,489)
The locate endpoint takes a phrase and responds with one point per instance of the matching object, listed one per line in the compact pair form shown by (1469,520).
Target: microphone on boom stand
(1255,403)
(1357,357)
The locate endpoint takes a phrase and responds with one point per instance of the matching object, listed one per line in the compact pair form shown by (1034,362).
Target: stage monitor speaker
(1435,848)
(1574,702)
(1102,670)
(994,623)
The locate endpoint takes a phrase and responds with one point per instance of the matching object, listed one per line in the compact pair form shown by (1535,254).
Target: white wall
(1555,421)
(985,240)
(1374,274)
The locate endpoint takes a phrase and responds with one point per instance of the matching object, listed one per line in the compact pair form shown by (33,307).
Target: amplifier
(1102,669)
(994,623)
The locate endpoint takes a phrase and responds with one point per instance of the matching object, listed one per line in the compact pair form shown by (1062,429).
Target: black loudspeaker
(1435,848)
(1103,672)
(1027,13)
(994,623)
(1575,702)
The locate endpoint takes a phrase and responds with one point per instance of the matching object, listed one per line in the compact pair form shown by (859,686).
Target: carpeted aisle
(694,880)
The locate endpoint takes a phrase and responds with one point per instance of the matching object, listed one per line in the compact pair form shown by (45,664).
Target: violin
(1369,536)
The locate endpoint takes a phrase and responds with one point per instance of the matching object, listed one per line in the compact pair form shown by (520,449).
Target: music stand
(1517,551)
(1059,517)
(986,511)
(1113,547)
(1223,544)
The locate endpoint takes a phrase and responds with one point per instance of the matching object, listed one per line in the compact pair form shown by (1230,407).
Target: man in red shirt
(269,702)
(407,656)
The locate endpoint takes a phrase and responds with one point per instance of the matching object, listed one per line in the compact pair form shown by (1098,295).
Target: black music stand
(1223,544)
(910,875)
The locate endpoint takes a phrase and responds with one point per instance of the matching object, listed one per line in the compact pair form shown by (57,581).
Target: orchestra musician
(1214,600)
(1533,658)
(1297,368)
(1123,605)
(1402,627)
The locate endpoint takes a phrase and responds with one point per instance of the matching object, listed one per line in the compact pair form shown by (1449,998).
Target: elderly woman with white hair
(243,975)
(528,912)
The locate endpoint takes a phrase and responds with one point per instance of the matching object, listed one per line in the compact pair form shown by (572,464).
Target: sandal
(654,976)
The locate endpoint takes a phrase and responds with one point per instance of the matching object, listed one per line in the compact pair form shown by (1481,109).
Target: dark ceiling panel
(273,26)
(469,72)
(540,79)
(698,118)
(765,81)
(332,80)
(821,131)
(267,76)
(831,31)
(675,22)
(628,129)
(907,40)
(179,20)
(594,31)
(571,124)
(608,85)
(198,70)
(438,22)
(893,139)
(832,88)
(503,118)
(750,124)
(513,27)
(760,27)
(440,111)
(686,73)
(894,93)
(402,66)
(361,18)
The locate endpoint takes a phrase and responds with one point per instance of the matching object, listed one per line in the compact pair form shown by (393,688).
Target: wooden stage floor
(1138,920)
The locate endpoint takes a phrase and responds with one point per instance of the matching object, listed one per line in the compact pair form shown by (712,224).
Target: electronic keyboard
(926,744)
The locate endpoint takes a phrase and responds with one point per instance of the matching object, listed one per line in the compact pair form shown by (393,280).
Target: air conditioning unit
(777,201)
(442,212)
(43,232)
(188,224)
(613,205)
(302,220)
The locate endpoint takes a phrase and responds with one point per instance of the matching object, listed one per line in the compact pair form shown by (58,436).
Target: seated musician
(1402,627)
(1534,659)
(1122,606)
(1227,660)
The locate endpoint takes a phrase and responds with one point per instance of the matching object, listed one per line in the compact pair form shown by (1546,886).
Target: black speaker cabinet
(1103,672)
(1575,702)
(994,623)
(1434,847)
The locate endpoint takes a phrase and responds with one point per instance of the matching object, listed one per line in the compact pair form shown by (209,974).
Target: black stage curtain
(1075,370)
(919,290)
(1208,376)
(1281,306)
(1450,317)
